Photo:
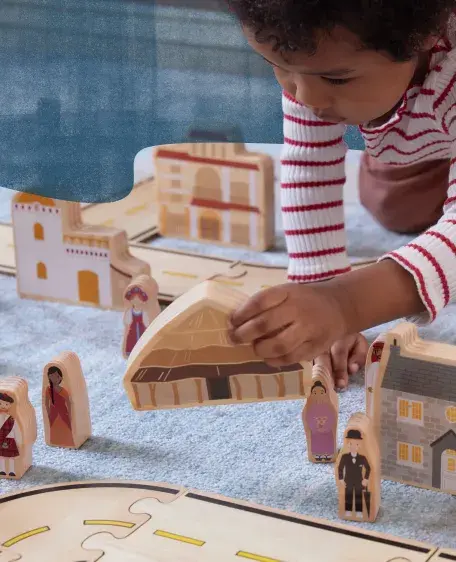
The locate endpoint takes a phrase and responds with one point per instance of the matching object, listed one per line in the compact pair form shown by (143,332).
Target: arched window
(41,270)
(451,414)
(38,231)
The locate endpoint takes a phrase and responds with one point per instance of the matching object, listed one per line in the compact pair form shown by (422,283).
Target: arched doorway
(207,185)
(89,290)
(210,226)
(449,470)
(38,231)
(41,270)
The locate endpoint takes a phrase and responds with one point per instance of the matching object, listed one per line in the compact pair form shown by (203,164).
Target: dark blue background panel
(87,84)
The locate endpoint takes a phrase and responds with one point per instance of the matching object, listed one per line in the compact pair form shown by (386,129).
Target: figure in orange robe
(58,408)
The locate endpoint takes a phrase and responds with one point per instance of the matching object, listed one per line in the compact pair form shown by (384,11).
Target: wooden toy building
(60,258)
(185,358)
(414,410)
(216,192)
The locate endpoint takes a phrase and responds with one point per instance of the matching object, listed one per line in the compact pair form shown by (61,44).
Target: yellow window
(417,411)
(403,408)
(451,414)
(38,231)
(451,467)
(417,455)
(403,452)
(41,270)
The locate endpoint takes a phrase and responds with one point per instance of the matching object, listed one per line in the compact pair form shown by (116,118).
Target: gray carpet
(255,452)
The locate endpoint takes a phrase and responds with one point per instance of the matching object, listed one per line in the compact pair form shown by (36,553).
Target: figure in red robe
(10,437)
(136,318)
(58,408)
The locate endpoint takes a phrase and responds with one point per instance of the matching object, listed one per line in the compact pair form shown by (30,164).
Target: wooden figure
(185,358)
(358,471)
(216,192)
(371,372)
(66,412)
(18,431)
(320,417)
(415,410)
(59,258)
(127,521)
(141,308)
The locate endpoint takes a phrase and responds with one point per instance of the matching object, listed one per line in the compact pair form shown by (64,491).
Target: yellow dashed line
(250,556)
(109,522)
(135,210)
(179,274)
(266,286)
(109,222)
(10,245)
(179,538)
(26,535)
(235,283)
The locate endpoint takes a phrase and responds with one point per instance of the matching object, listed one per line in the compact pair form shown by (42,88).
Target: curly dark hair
(397,27)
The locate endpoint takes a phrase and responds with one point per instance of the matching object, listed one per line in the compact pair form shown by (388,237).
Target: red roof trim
(202,160)
(222,205)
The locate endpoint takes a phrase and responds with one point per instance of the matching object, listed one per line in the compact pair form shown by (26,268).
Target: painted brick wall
(392,431)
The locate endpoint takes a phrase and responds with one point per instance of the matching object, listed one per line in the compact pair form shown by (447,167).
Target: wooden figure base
(121,521)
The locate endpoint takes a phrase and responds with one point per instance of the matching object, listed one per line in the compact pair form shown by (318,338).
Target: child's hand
(291,323)
(346,357)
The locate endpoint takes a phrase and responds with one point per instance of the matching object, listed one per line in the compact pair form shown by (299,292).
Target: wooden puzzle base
(121,521)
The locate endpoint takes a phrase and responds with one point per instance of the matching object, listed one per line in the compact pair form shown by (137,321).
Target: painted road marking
(109,522)
(179,274)
(266,286)
(225,282)
(109,222)
(179,538)
(135,210)
(250,556)
(10,245)
(26,535)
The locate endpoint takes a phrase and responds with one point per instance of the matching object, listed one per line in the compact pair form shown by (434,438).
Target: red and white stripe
(313,175)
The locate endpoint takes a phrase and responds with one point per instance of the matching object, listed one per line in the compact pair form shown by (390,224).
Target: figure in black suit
(351,476)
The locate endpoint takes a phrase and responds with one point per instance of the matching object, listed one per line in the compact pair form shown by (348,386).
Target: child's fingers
(279,344)
(339,361)
(358,354)
(301,353)
(264,300)
(264,324)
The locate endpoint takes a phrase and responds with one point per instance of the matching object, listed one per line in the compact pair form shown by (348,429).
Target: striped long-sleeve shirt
(313,176)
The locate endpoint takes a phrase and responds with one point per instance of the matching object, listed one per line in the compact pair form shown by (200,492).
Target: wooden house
(60,258)
(216,192)
(185,358)
(415,410)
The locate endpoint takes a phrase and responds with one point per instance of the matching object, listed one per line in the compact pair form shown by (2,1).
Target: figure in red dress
(10,437)
(58,408)
(142,307)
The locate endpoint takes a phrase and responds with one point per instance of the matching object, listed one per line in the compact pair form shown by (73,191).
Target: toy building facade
(185,358)
(418,415)
(216,192)
(59,258)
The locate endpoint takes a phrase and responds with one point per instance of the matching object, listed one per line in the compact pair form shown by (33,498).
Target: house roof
(24,197)
(184,156)
(412,375)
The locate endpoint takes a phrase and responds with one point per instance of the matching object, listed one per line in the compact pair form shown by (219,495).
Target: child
(388,66)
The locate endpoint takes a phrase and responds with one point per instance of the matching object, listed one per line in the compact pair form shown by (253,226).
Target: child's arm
(312,180)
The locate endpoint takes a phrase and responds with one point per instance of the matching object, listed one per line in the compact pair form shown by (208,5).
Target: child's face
(5,406)
(341,82)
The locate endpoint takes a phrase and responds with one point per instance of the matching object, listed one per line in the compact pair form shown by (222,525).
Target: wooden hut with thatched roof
(185,358)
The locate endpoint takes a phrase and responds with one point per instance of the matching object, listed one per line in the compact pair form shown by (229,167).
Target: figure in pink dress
(320,419)
(136,317)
